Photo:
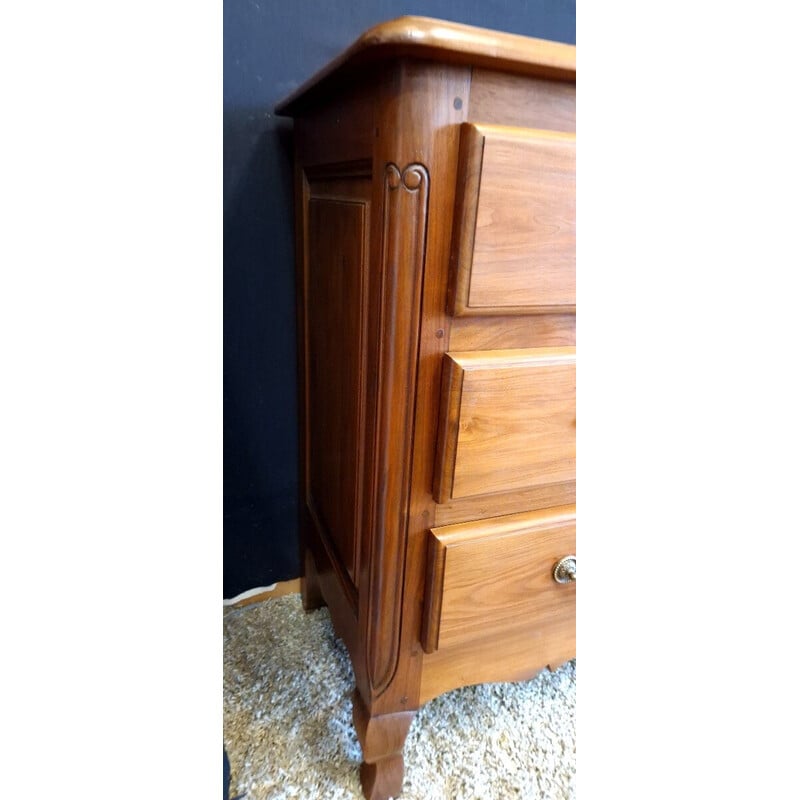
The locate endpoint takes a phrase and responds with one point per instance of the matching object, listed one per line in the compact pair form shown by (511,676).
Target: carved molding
(405,212)
(412,178)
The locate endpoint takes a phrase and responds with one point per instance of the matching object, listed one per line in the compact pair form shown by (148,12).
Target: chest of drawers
(435,239)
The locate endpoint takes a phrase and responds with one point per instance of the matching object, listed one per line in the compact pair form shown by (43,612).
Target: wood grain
(336,291)
(507,421)
(333,167)
(377,166)
(497,574)
(310,591)
(417,124)
(492,607)
(509,333)
(404,224)
(439,40)
(343,126)
(494,505)
(330,582)
(434,594)
(502,98)
(514,240)
(381,738)
(497,657)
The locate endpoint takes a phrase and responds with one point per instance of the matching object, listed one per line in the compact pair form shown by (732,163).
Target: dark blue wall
(269,49)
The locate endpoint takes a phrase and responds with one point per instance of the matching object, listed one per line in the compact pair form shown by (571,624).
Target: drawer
(513,249)
(495,579)
(507,422)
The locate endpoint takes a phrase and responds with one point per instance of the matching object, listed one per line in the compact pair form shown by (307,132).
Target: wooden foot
(309,585)
(382,738)
(383,779)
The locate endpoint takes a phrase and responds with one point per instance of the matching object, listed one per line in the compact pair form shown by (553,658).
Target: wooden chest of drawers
(435,218)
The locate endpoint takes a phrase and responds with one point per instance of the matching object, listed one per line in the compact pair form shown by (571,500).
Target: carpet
(288,729)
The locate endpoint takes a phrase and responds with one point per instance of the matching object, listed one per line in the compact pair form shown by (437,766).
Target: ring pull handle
(566,570)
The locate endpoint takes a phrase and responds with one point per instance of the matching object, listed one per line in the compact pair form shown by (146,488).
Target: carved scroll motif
(405,212)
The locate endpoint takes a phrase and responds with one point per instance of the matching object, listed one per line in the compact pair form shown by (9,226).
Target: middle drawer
(507,421)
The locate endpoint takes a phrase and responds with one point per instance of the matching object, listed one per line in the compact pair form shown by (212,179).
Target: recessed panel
(335,320)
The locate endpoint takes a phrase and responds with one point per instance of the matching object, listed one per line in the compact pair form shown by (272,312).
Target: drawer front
(495,579)
(507,422)
(514,225)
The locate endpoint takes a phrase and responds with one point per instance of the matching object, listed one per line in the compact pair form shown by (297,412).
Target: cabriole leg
(382,738)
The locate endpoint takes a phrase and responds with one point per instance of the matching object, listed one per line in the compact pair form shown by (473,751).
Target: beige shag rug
(288,727)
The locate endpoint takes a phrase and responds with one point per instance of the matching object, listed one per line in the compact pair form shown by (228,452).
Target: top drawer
(514,226)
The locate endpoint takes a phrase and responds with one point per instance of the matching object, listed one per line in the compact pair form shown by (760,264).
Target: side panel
(336,288)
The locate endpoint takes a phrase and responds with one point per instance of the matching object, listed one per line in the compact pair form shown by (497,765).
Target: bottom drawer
(494,579)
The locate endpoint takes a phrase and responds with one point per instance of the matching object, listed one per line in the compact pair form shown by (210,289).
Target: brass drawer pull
(566,570)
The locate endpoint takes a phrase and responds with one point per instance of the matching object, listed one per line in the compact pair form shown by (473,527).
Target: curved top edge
(443,40)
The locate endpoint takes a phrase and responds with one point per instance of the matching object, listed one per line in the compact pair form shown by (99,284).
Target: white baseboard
(248,594)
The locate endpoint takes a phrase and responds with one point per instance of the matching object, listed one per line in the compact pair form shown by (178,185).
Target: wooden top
(423,37)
